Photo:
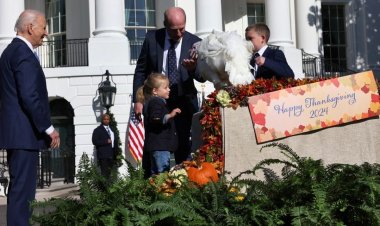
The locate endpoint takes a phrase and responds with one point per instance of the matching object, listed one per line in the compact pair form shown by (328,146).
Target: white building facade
(343,32)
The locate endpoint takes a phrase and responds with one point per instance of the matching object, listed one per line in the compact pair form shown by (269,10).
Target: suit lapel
(184,48)
(26,48)
(31,57)
(160,37)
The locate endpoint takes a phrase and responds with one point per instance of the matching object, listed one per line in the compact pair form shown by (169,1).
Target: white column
(209,16)
(308,25)
(9,12)
(109,18)
(277,18)
(109,46)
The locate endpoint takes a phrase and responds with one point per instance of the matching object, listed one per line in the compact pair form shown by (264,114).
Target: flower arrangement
(232,96)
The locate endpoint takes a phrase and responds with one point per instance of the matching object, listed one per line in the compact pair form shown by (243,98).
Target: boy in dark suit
(105,142)
(266,62)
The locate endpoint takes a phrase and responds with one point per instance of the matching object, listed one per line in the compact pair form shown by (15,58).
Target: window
(255,13)
(140,16)
(334,37)
(56,27)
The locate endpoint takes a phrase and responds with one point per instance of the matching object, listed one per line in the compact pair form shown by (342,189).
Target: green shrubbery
(306,193)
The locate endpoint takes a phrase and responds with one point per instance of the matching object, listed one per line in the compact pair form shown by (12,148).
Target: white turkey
(223,58)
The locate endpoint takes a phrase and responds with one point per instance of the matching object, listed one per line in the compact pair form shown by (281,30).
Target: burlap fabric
(352,143)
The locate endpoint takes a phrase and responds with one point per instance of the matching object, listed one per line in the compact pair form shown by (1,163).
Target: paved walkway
(62,190)
(54,191)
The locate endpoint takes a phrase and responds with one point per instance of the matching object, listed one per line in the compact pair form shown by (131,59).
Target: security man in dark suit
(157,51)
(25,125)
(266,62)
(105,142)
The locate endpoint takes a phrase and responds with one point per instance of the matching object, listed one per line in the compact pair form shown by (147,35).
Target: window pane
(140,18)
(55,25)
(62,8)
(326,38)
(140,4)
(140,33)
(334,24)
(131,34)
(260,9)
(340,11)
(326,24)
(261,19)
(333,12)
(341,24)
(334,38)
(255,13)
(131,18)
(49,25)
(334,52)
(342,38)
(250,9)
(326,13)
(342,62)
(251,20)
(342,52)
(150,5)
(130,4)
(327,52)
(151,18)
(55,9)
(63,23)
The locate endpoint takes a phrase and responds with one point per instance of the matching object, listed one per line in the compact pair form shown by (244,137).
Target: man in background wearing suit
(157,53)
(266,62)
(25,125)
(105,142)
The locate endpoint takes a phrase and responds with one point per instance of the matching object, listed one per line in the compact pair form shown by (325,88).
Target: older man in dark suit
(25,125)
(167,51)
(105,142)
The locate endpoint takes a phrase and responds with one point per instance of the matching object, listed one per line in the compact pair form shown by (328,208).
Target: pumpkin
(203,174)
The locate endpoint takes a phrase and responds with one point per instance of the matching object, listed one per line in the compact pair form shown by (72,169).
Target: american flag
(136,137)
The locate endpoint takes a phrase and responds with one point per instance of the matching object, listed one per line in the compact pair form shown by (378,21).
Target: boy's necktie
(255,66)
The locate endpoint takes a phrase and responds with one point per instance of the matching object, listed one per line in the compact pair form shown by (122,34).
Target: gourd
(203,174)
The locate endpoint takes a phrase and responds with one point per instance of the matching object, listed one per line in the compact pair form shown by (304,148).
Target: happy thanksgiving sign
(314,106)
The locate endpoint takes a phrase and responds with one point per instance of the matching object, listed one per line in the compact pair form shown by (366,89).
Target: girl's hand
(175,112)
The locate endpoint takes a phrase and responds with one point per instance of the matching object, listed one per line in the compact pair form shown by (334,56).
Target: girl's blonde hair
(154,81)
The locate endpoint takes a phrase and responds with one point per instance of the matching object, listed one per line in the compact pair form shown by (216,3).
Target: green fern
(306,192)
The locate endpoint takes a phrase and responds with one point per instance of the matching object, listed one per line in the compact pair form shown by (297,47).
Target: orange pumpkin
(203,174)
